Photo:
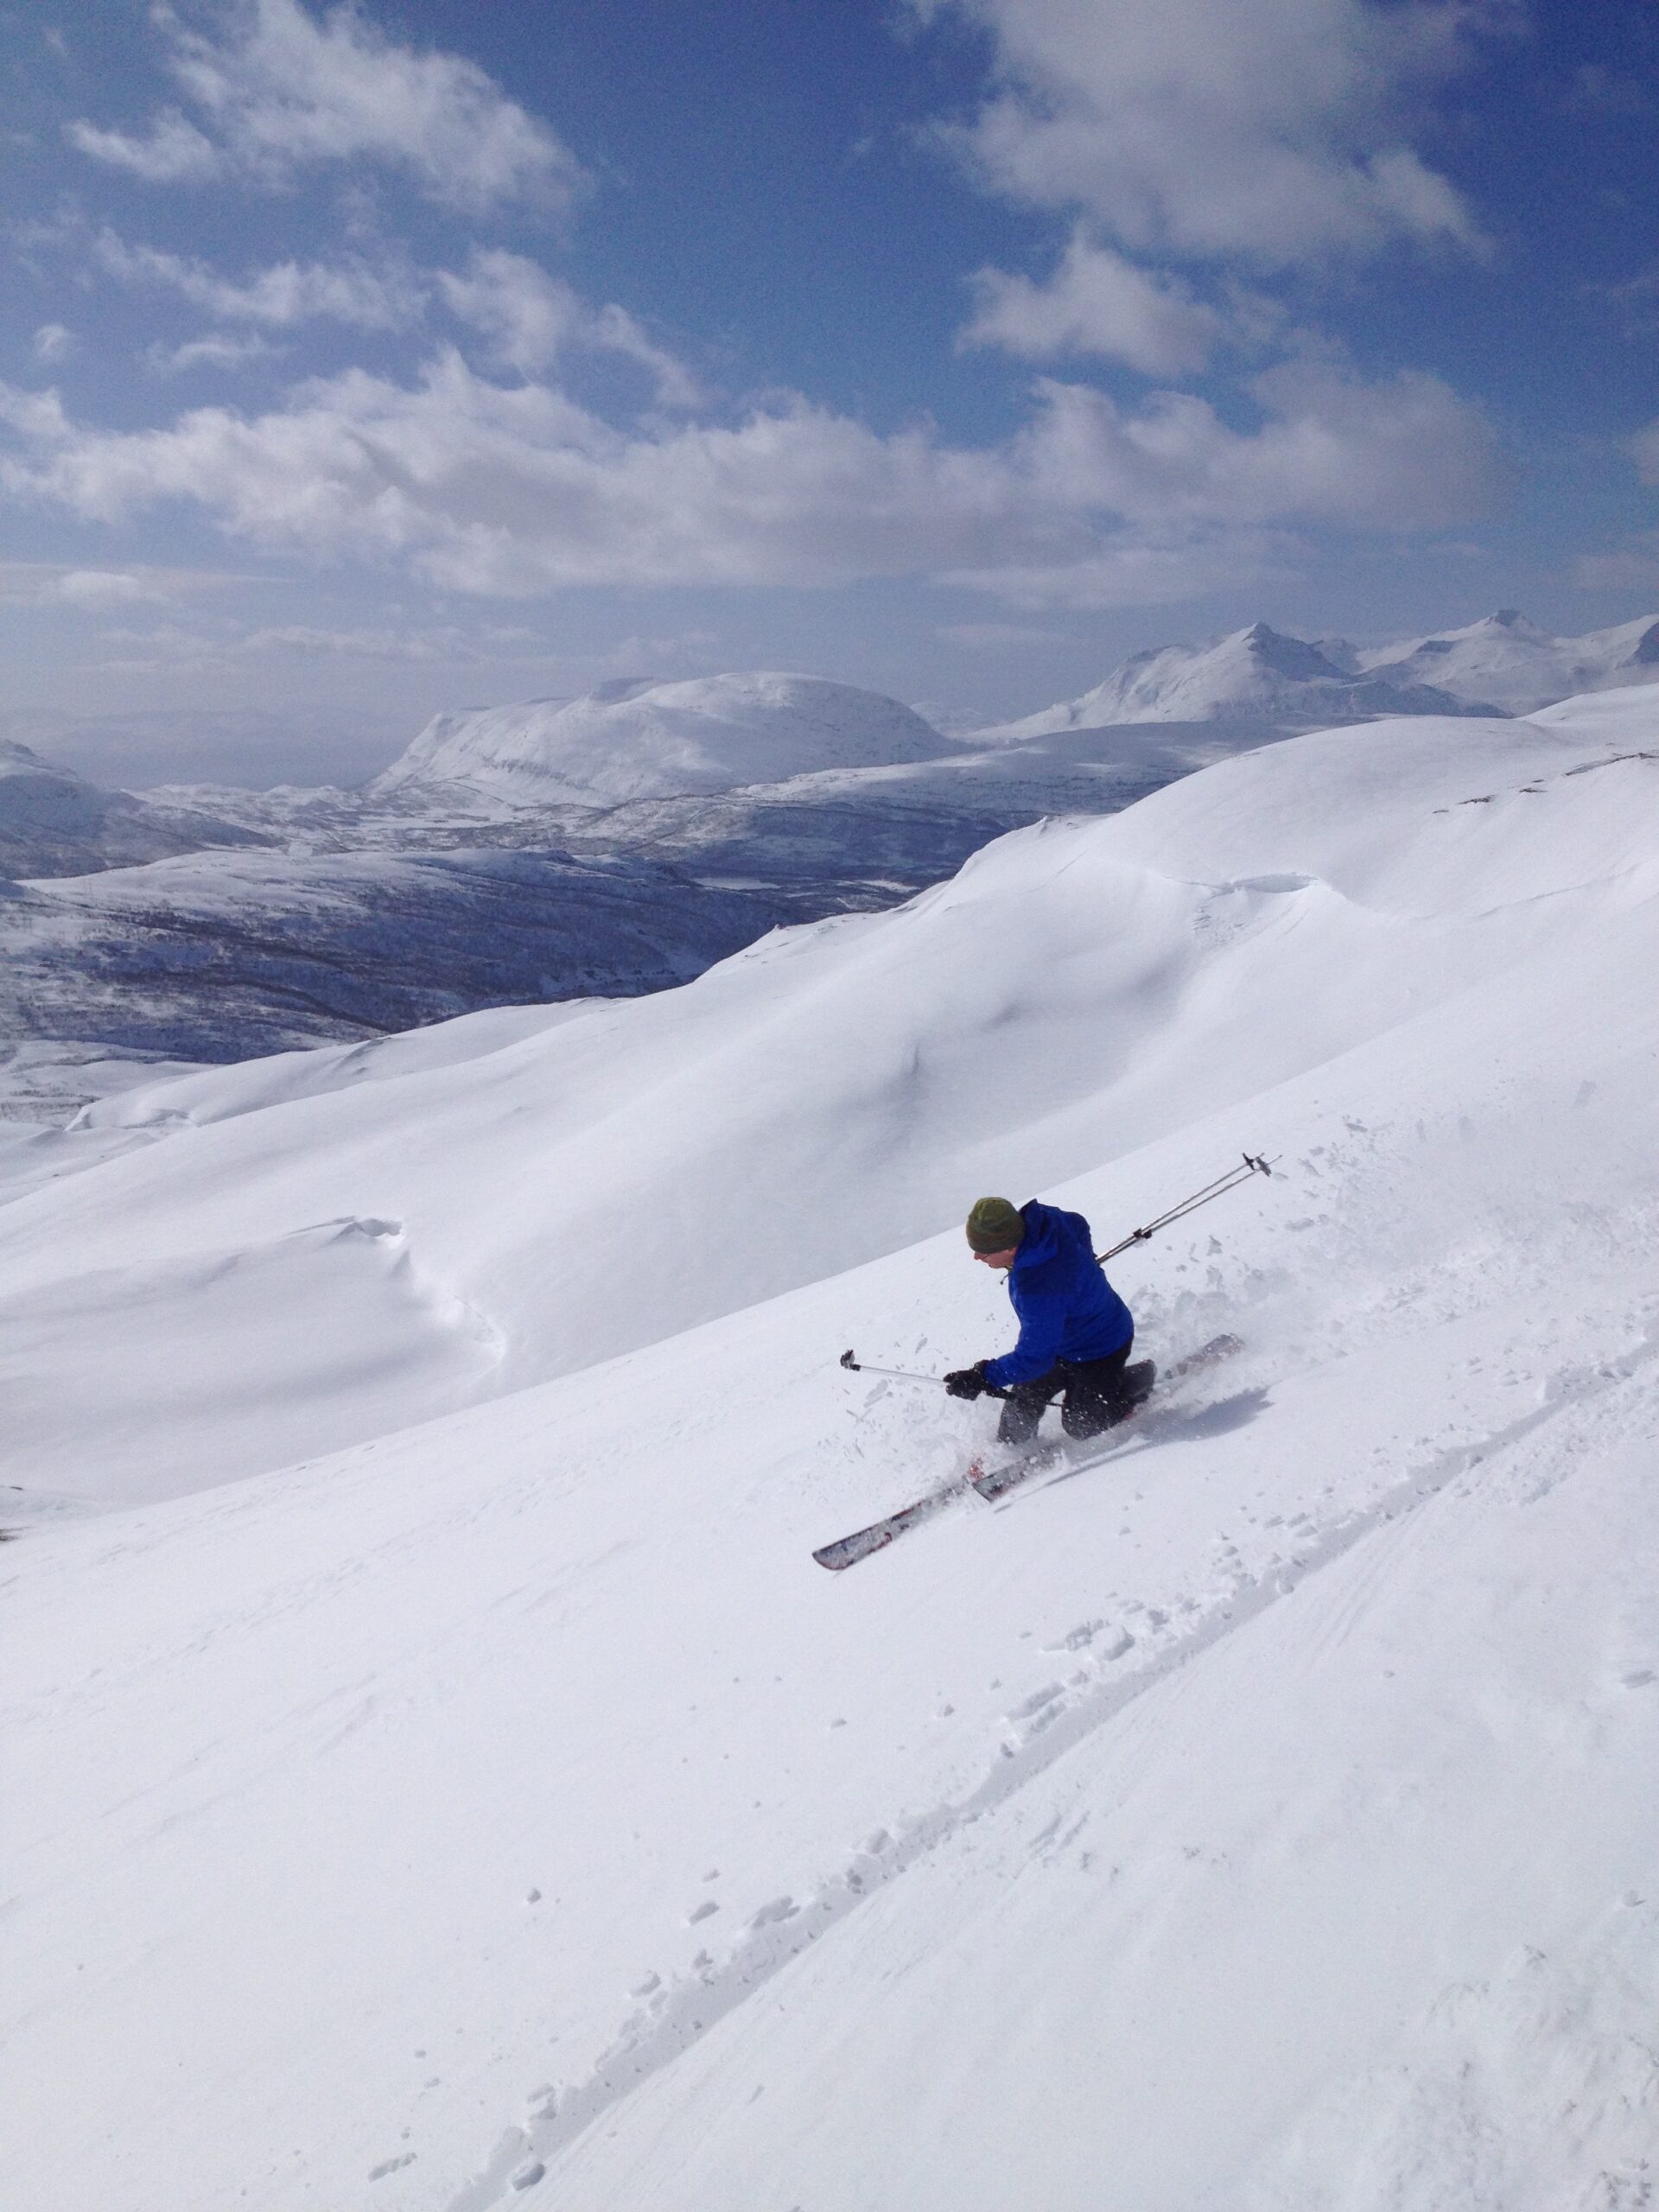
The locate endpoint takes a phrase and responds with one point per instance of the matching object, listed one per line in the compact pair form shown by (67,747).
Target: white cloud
(1631,566)
(227,643)
(104,587)
(280,88)
(172,151)
(516,492)
(1406,453)
(1095,302)
(532,318)
(38,584)
(1268,128)
(53,342)
(214,353)
(995,637)
(1148,567)
(306,640)
(1643,449)
(348,290)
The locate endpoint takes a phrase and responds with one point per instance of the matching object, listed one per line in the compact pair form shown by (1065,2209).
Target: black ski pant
(1094,1395)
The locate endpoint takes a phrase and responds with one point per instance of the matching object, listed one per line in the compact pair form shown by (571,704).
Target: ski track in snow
(1045,1726)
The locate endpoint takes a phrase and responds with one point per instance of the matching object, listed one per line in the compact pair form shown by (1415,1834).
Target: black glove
(966,1381)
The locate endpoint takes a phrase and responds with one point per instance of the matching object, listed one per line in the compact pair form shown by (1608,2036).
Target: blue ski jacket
(1067,1309)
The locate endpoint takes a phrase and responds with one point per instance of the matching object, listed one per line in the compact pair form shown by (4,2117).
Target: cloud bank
(517,490)
(275,90)
(1265,128)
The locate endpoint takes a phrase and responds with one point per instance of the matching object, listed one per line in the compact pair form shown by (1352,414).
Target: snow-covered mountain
(218,956)
(645,740)
(1506,658)
(751,799)
(1256,678)
(472,1794)
(384,911)
(55,822)
(1260,678)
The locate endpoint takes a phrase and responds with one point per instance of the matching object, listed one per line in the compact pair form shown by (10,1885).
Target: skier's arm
(1042,1324)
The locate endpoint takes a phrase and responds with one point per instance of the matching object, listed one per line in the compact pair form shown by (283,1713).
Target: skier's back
(1075,1333)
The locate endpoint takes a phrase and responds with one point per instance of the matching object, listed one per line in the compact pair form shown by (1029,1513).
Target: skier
(1075,1331)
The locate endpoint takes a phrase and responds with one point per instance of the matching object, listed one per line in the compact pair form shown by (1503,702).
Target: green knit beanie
(995,1225)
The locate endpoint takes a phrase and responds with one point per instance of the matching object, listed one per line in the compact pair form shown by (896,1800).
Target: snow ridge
(1260,677)
(1257,676)
(56,823)
(1508,659)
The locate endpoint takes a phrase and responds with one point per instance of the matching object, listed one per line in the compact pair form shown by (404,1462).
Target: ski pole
(903,1374)
(1253,1164)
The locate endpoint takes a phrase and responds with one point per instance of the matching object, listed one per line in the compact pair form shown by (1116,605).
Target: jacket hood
(1043,1236)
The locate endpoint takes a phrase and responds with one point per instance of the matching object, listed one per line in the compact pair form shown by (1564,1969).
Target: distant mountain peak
(54,822)
(644,737)
(617,689)
(1505,657)
(1292,657)
(1256,678)
(1260,678)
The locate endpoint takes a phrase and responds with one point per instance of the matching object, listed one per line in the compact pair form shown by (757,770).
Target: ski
(990,1483)
(1058,1450)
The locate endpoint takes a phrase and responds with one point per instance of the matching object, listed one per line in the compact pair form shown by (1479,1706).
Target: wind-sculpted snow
(337,1314)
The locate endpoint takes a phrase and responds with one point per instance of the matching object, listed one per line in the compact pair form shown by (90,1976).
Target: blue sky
(363,363)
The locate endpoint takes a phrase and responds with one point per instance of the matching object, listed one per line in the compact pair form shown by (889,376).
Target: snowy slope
(1508,659)
(852,1056)
(55,822)
(641,739)
(505,1810)
(1255,677)
(1627,717)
